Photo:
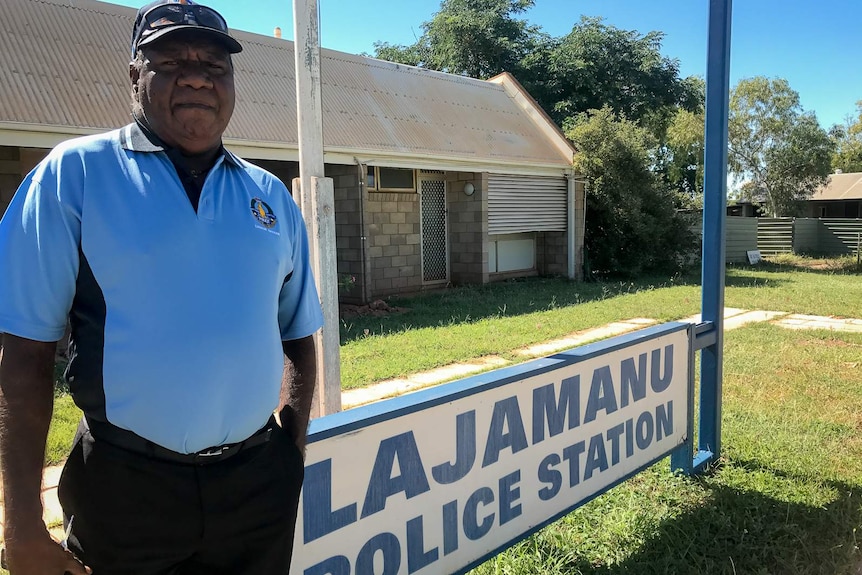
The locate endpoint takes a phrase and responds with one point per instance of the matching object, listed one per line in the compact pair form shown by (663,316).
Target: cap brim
(226,40)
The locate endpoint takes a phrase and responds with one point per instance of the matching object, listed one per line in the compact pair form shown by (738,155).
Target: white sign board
(440,480)
(754,256)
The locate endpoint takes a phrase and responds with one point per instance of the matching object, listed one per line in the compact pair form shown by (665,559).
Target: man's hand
(41,555)
(290,422)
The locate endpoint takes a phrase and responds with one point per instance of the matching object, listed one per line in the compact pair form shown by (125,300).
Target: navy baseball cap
(163,17)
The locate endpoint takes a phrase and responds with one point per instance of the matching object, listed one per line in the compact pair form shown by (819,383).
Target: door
(435,232)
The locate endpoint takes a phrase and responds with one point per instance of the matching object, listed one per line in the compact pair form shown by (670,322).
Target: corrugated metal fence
(741,237)
(815,236)
(812,236)
(826,237)
(774,235)
(839,236)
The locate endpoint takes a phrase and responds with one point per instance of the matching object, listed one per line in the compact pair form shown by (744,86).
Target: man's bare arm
(26,404)
(297,387)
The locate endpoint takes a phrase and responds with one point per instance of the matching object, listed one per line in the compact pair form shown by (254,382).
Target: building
(841,197)
(439,179)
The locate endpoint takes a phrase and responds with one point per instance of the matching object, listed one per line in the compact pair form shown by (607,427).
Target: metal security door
(435,249)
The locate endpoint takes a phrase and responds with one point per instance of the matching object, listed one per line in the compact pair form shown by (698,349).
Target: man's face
(185,90)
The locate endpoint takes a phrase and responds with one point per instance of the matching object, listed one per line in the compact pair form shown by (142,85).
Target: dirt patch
(826,264)
(377,308)
(830,343)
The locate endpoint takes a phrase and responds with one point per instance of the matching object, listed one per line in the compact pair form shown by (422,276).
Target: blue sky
(814,44)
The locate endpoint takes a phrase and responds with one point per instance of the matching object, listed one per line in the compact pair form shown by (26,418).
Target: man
(184,273)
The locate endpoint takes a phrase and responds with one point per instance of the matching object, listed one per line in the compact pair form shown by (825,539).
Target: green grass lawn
(785,496)
(498,318)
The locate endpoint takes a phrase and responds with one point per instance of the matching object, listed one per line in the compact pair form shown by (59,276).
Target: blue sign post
(709,334)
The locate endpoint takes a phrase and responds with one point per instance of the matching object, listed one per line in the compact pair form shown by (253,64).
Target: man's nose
(195,75)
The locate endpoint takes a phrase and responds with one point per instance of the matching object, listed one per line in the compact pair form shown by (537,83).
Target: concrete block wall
(394,243)
(468,228)
(552,253)
(348,232)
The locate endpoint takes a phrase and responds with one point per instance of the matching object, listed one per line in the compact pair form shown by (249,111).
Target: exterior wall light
(469,189)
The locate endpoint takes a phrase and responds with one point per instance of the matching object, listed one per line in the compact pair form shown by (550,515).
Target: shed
(439,179)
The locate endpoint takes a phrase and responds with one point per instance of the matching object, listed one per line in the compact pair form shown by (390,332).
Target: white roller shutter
(519,204)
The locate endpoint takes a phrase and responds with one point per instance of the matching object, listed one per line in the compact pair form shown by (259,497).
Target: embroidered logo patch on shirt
(263,213)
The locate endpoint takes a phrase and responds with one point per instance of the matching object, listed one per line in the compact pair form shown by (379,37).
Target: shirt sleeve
(40,235)
(299,311)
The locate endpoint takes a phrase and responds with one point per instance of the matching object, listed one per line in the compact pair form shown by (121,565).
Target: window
(390,179)
(371,178)
(395,179)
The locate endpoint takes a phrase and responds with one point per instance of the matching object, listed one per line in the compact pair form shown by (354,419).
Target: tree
(680,159)
(778,152)
(594,65)
(632,224)
(848,144)
(597,65)
(413,55)
(684,161)
(477,38)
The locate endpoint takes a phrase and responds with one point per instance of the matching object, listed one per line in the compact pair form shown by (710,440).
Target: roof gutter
(48,136)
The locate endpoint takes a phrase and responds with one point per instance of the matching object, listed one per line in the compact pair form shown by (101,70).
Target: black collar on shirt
(136,138)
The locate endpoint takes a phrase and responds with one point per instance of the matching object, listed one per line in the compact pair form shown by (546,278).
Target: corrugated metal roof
(64,63)
(841,187)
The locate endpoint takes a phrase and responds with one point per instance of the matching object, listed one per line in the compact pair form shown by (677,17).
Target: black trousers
(137,515)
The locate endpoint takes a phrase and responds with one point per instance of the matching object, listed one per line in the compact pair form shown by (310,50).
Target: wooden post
(316,199)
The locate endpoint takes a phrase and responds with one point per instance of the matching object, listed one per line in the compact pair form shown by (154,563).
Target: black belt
(124,439)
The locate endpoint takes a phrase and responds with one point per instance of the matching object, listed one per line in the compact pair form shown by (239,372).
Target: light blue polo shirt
(177,316)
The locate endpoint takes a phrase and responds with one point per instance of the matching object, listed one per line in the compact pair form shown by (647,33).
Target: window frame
(372,180)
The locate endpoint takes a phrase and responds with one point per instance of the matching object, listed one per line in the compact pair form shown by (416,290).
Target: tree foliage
(778,152)
(680,157)
(412,55)
(632,225)
(592,66)
(477,38)
(598,65)
(683,160)
(848,144)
